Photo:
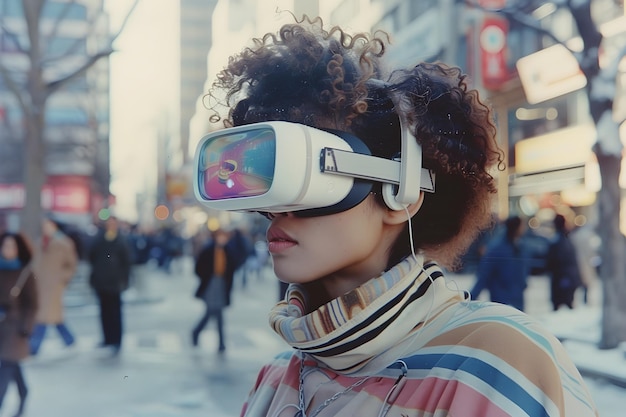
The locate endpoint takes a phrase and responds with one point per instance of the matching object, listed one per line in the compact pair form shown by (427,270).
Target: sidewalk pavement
(578,329)
(157,373)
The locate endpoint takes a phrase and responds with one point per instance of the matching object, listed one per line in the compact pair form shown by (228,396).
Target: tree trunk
(33,110)
(34,176)
(613,269)
(33,99)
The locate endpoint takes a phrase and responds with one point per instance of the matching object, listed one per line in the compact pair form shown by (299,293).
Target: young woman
(18,306)
(375,328)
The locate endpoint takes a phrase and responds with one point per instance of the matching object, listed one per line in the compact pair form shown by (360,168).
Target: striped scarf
(366,326)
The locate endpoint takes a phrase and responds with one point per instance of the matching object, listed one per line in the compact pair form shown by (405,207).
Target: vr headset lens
(238,164)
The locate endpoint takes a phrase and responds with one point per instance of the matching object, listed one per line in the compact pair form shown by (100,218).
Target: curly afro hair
(330,79)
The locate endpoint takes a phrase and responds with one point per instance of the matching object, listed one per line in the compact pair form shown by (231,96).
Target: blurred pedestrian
(503,270)
(54,266)
(586,243)
(110,258)
(199,241)
(139,245)
(18,306)
(243,252)
(562,266)
(215,267)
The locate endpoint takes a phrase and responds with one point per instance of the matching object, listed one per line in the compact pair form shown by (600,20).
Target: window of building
(66,116)
(9,42)
(390,22)
(67,10)
(11,8)
(534,120)
(345,11)
(521,41)
(59,46)
(418,8)
(77,84)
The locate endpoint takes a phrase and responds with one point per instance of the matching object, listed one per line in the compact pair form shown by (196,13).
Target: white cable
(430,278)
(408,216)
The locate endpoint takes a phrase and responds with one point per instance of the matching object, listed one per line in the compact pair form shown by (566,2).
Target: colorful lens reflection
(238,164)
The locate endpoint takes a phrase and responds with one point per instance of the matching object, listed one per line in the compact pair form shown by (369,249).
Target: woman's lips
(278,240)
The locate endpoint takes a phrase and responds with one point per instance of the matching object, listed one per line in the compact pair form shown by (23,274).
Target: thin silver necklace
(302,406)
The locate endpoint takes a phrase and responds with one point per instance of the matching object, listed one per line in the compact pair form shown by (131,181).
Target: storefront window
(533,120)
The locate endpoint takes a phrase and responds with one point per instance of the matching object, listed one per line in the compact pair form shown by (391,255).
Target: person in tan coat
(18,304)
(54,267)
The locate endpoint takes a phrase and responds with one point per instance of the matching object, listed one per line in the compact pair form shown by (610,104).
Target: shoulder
(493,337)
(485,322)
(505,353)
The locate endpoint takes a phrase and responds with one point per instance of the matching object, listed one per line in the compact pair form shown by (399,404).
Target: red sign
(492,4)
(492,41)
(71,196)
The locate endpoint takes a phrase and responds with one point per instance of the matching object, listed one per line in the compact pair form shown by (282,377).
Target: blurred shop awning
(553,162)
(546,181)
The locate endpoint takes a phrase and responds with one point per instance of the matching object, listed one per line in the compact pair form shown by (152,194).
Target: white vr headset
(289,167)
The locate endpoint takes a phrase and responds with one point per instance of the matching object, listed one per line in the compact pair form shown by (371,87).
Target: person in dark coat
(504,270)
(110,258)
(216,264)
(18,307)
(562,266)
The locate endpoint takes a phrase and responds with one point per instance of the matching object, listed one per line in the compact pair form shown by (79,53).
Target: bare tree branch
(590,35)
(126,18)
(91,29)
(612,68)
(54,31)
(13,87)
(53,86)
(11,34)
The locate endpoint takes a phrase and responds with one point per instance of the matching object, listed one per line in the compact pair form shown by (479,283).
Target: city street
(158,373)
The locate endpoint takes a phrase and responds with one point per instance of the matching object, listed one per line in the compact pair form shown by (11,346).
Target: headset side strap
(368,167)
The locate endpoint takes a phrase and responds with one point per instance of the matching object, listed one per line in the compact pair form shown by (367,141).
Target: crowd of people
(569,260)
(34,277)
(33,280)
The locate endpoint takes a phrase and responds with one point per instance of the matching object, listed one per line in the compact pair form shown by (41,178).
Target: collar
(360,328)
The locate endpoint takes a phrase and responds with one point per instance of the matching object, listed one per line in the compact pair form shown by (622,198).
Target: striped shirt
(453,358)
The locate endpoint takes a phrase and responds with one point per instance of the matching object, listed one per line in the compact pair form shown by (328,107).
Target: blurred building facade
(196,38)
(233,24)
(174,195)
(535,88)
(77,116)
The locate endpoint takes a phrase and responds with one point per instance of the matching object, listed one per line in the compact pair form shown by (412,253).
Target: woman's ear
(393,217)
